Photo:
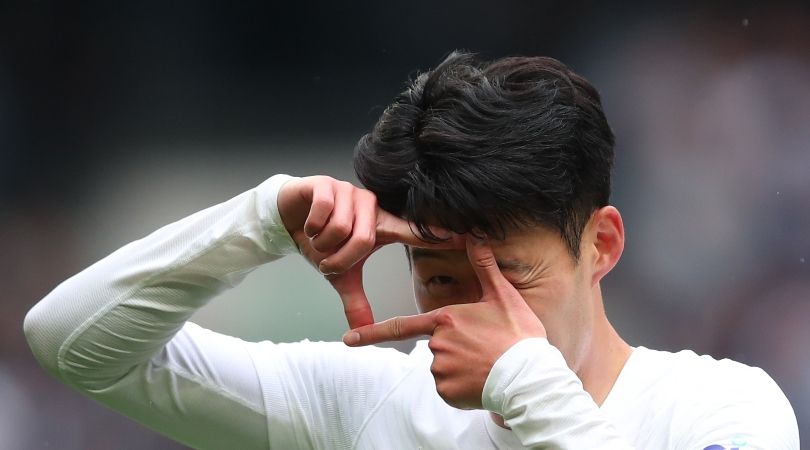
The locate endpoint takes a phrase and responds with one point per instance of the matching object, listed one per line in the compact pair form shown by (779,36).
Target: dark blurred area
(117,117)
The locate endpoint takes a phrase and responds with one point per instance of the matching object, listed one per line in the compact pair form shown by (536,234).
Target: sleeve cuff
(543,401)
(278,239)
(511,364)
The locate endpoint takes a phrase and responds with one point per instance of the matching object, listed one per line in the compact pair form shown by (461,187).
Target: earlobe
(608,239)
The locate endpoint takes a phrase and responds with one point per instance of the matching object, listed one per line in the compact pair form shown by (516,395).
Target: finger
(391,228)
(349,286)
(485,266)
(321,205)
(361,243)
(395,329)
(339,225)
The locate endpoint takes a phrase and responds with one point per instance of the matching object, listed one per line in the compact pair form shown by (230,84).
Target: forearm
(543,401)
(117,313)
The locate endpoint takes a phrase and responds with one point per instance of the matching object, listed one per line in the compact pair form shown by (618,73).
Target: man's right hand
(337,226)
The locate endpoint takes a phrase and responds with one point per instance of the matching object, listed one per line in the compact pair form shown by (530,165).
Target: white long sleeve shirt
(118,332)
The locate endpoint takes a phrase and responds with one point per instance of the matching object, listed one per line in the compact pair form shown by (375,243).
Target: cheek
(423,303)
(426,302)
(558,306)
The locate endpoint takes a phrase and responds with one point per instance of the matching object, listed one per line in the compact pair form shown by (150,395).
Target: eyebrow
(506,265)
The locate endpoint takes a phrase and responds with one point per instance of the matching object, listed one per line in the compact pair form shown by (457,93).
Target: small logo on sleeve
(737,443)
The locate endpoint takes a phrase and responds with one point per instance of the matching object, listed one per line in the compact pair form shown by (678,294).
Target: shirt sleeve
(543,401)
(117,331)
(743,408)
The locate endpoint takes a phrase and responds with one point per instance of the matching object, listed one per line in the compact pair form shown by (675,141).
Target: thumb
(391,228)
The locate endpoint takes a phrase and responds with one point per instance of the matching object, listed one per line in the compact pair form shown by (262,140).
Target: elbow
(40,334)
(46,336)
(78,360)
(47,331)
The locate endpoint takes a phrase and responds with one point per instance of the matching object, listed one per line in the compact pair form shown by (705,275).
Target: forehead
(520,250)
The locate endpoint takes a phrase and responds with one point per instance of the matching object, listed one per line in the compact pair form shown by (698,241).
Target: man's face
(537,263)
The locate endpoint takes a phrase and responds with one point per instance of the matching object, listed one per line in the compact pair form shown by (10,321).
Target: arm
(544,402)
(117,332)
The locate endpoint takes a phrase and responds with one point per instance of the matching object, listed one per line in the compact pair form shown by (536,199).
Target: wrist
(267,205)
(509,366)
(291,207)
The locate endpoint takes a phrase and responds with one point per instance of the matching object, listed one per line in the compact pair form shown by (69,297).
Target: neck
(602,360)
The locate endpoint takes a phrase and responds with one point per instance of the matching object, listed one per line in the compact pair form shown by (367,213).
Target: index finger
(391,228)
(485,265)
(349,286)
(395,329)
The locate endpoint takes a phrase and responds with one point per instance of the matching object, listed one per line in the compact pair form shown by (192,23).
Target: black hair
(482,147)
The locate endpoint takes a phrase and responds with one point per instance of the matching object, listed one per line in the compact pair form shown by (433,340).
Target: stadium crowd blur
(116,118)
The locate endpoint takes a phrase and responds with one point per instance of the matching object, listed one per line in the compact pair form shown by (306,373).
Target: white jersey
(118,332)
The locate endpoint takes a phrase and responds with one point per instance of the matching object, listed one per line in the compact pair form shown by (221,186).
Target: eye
(441,280)
(442,286)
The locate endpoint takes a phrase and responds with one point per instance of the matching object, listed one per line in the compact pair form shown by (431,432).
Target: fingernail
(478,240)
(351,338)
(322,268)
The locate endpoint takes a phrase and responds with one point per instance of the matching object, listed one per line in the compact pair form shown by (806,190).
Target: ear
(606,234)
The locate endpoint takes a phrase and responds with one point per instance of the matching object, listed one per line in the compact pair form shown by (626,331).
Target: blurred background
(119,117)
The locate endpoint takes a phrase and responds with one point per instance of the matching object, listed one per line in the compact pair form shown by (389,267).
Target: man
(496,177)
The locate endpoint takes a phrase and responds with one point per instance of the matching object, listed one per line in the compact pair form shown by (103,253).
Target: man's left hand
(467,338)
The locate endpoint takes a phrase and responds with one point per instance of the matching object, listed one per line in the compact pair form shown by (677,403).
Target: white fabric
(117,331)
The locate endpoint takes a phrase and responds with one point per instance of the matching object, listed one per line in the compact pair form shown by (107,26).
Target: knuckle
(332,277)
(444,317)
(368,195)
(484,261)
(364,242)
(368,242)
(341,229)
(436,370)
(445,391)
(323,202)
(326,181)
(354,310)
(319,244)
(335,267)
(395,327)
(311,229)
(351,310)
(346,186)
(351,307)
